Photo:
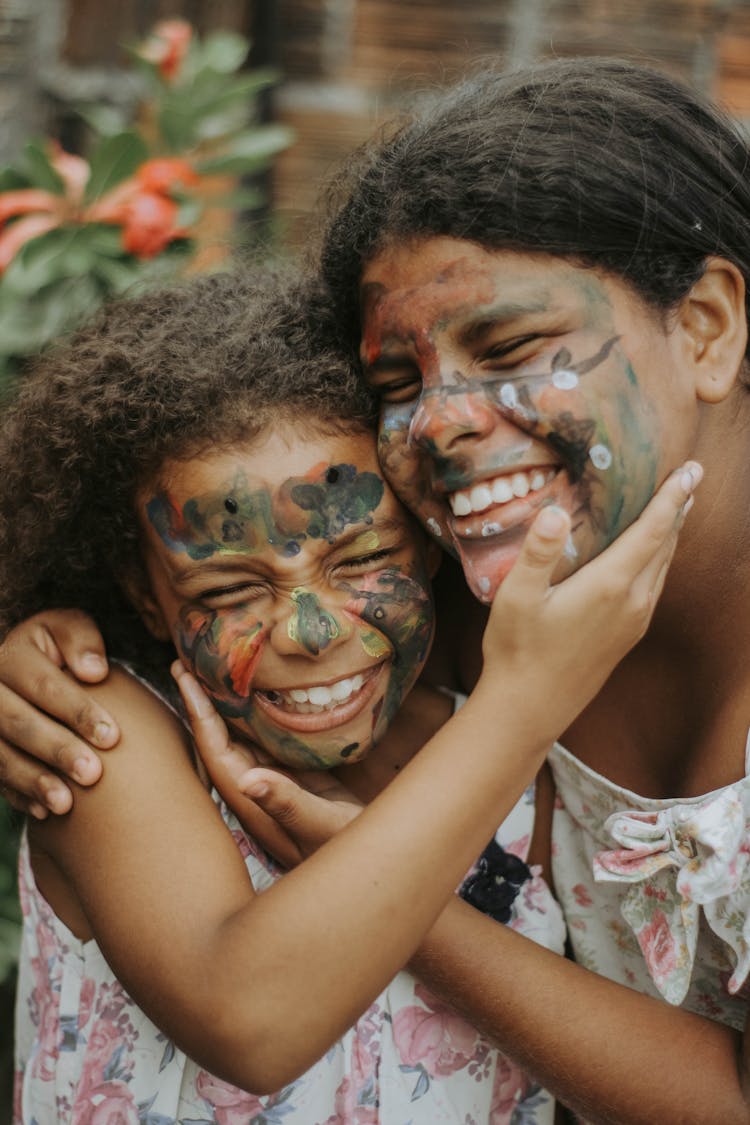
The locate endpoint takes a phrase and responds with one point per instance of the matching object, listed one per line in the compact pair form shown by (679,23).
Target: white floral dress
(656,893)
(87,1055)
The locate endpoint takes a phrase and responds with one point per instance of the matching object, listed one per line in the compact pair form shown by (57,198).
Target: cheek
(407,469)
(222,648)
(397,613)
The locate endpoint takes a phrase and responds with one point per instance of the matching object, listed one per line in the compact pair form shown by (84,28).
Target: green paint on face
(374,645)
(311,626)
(243,519)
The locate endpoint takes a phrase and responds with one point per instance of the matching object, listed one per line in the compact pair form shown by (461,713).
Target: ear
(138,591)
(714,325)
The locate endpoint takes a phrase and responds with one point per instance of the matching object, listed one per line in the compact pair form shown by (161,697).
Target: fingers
(28,787)
(645,549)
(225,759)
(46,743)
(311,819)
(540,553)
(78,641)
(32,681)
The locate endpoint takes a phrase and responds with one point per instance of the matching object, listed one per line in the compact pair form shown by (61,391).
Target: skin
(286,566)
(488,363)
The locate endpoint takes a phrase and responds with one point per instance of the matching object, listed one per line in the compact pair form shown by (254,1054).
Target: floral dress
(87,1055)
(656,893)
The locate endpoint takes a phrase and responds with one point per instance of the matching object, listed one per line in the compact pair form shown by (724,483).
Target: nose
(449,417)
(309,627)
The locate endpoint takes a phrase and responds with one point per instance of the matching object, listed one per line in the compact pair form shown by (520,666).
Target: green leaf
(41,173)
(11,180)
(177,127)
(224,51)
(106,120)
(249,151)
(113,160)
(60,254)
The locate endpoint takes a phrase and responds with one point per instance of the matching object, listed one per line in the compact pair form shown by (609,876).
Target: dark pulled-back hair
(606,163)
(168,375)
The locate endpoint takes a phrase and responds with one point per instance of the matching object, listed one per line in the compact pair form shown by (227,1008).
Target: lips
(320,707)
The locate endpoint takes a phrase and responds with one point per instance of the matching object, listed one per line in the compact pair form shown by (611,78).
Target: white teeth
(499,491)
(460,503)
(322,697)
(319,695)
(519,482)
(341,691)
(480,498)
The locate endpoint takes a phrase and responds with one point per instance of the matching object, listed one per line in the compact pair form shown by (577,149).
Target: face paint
(240,518)
(311,626)
(510,381)
(308,651)
(396,605)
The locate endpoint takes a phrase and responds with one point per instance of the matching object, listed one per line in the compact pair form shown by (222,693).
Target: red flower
(167,46)
(165,174)
(150,224)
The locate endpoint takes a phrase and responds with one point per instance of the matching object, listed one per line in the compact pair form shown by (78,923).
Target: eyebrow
(196,570)
(501,315)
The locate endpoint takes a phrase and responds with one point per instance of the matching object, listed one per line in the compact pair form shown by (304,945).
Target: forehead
(270,460)
(450,280)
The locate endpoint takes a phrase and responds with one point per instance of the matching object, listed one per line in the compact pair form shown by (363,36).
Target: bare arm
(613,1055)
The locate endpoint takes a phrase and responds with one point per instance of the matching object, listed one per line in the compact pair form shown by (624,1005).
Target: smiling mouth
(500,490)
(320,706)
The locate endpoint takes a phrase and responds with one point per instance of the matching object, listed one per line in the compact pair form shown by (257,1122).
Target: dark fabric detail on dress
(494,882)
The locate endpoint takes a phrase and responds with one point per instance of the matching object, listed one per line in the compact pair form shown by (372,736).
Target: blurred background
(149,137)
(345,65)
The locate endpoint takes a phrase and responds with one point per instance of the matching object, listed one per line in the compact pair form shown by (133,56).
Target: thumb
(280,797)
(540,553)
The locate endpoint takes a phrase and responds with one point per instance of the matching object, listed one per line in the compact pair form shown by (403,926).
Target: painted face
(295,588)
(509,381)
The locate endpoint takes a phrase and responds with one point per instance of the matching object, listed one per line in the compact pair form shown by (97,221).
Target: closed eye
(368,560)
(520,348)
(229,595)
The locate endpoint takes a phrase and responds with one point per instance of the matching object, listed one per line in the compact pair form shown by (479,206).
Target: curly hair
(160,377)
(598,160)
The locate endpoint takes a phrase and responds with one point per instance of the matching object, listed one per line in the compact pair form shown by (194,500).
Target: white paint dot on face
(565,380)
(490,529)
(434,527)
(484,585)
(508,395)
(570,551)
(600,456)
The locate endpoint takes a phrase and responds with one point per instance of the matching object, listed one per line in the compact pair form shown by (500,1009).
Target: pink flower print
(659,947)
(86,1001)
(104,1040)
(242,842)
(433,1037)
(347,1110)
(519,848)
(581,895)
(109,1103)
(231,1105)
(48,1035)
(509,1087)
